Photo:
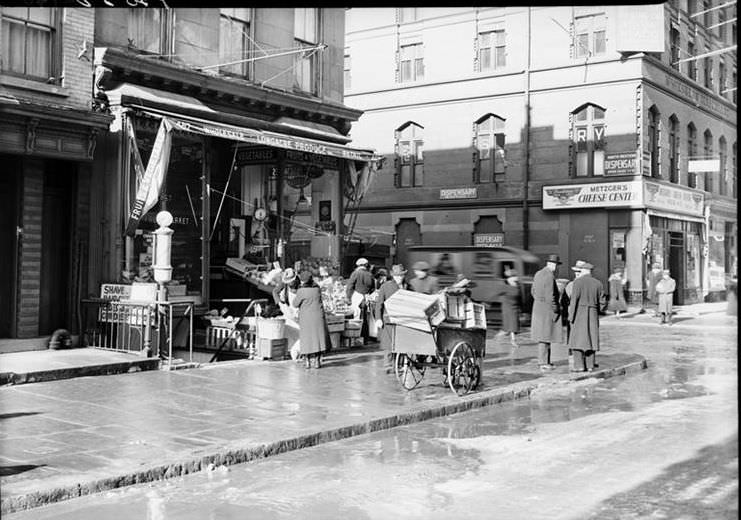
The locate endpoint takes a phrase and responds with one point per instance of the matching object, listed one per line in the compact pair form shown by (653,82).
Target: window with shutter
(410,155)
(589,140)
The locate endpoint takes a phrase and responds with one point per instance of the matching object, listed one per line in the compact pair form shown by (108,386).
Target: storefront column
(635,260)
(29,262)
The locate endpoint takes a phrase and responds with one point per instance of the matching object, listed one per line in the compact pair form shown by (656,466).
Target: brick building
(574,130)
(48,136)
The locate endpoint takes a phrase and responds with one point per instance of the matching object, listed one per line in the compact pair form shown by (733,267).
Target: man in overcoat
(383,326)
(359,286)
(654,276)
(423,282)
(545,326)
(665,289)
(587,298)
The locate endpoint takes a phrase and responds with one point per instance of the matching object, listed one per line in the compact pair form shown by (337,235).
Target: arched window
(673,149)
(723,175)
(654,140)
(708,152)
(589,140)
(691,154)
(489,144)
(734,192)
(409,155)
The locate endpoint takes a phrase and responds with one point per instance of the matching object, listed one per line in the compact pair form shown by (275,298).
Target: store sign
(639,28)
(115,292)
(701,166)
(255,156)
(324,161)
(620,163)
(597,195)
(459,193)
(660,196)
(488,239)
(697,97)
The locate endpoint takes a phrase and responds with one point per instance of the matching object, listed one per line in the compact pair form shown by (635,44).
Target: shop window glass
(654,141)
(708,152)
(234,40)
(673,149)
(691,154)
(411,62)
(589,36)
(589,141)
(409,155)
(306,34)
(489,143)
(30,42)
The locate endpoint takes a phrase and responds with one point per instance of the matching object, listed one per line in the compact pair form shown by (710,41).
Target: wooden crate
(414,310)
(271,348)
(351,333)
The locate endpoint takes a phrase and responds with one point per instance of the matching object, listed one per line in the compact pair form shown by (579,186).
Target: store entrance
(677,264)
(9,220)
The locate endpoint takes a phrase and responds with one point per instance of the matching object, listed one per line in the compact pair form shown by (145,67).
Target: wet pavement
(54,435)
(661,443)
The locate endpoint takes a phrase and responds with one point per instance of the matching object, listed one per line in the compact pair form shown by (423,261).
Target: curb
(448,406)
(12,378)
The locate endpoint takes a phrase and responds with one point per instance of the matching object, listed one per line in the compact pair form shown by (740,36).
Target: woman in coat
(665,289)
(311,321)
(509,297)
(616,283)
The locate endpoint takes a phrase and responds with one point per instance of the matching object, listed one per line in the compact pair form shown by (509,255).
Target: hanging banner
(151,182)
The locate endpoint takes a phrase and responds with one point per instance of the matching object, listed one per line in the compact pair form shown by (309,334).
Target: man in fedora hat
(665,290)
(545,326)
(359,286)
(587,299)
(423,281)
(388,288)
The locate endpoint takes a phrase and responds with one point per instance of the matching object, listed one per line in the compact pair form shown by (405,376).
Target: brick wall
(30,249)
(78,73)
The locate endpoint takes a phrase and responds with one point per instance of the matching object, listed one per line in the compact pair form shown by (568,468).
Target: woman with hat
(423,282)
(285,289)
(312,325)
(616,287)
(509,296)
(388,288)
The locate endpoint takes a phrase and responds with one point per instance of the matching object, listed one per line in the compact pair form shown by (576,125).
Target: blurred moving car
(485,266)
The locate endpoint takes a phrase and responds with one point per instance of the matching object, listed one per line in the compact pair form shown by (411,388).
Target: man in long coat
(545,326)
(587,298)
(423,282)
(665,289)
(383,326)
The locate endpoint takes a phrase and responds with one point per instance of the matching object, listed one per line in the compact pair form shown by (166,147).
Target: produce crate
(271,348)
(351,333)
(353,324)
(414,310)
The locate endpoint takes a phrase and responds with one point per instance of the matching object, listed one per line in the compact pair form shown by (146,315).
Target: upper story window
(346,69)
(707,16)
(675,47)
(734,87)
(654,141)
(692,64)
(234,41)
(409,155)
(722,78)
(691,153)
(673,149)
(708,71)
(489,143)
(492,50)
(590,36)
(30,42)
(691,6)
(589,140)
(306,34)
(411,63)
(407,14)
(722,31)
(723,175)
(148,29)
(734,192)
(708,152)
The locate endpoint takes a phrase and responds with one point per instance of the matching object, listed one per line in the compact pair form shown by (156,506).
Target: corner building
(571,130)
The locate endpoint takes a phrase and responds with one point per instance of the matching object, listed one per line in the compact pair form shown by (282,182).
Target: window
(412,66)
(30,45)
(722,79)
(406,14)
(673,149)
(691,6)
(306,34)
(708,152)
(734,87)
(234,41)
(589,140)
(589,36)
(492,50)
(654,141)
(674,37)
(734,192)
(409,155)
(691,154)
(489,144)
(723,175)
(346,69)
(692,64)
(147,29)
(708,69)
(707,17)
(722,32)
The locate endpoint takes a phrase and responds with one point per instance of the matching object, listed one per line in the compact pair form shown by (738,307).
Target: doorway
(677,264)
(408,234)
(10,187)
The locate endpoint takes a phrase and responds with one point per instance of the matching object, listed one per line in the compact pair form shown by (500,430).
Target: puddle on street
(397,473)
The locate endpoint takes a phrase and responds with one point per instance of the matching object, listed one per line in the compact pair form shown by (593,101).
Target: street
(661,443)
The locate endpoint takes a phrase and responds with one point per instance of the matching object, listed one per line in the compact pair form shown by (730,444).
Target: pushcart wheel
(408,371)
(462,369)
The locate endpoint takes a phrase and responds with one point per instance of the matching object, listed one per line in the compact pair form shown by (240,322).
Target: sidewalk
(62,439)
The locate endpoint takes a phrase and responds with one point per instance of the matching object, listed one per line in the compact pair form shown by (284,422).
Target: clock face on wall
(260,214)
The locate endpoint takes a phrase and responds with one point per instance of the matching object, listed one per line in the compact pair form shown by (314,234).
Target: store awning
(191,115)
(674,216)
